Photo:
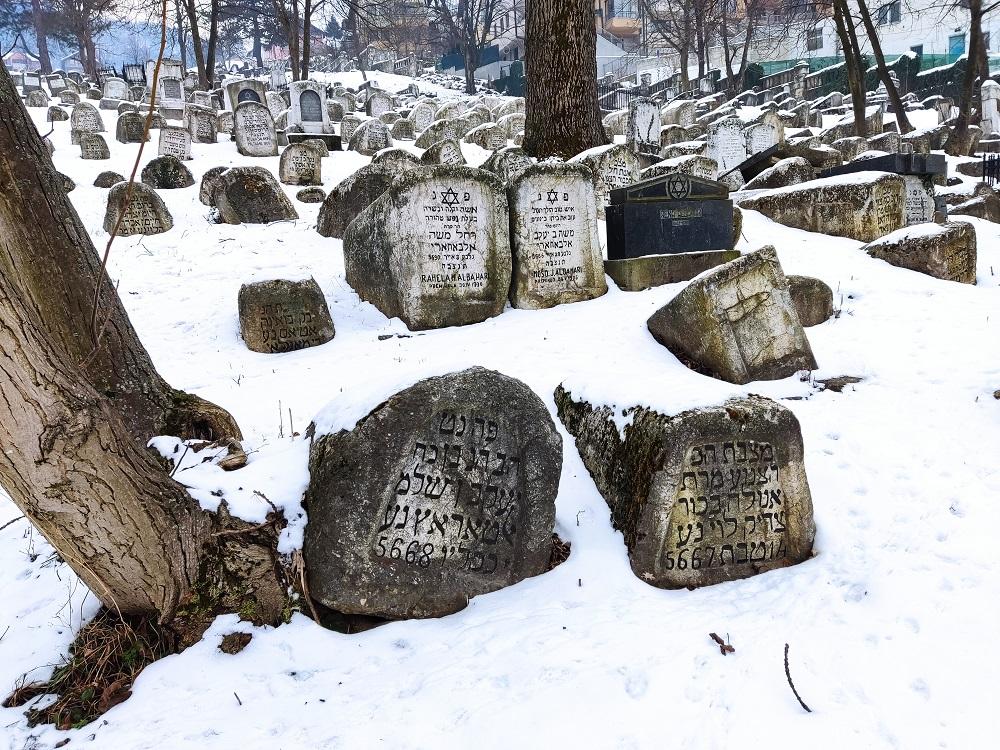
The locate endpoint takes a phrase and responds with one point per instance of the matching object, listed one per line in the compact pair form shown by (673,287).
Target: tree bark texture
(959,141)
(72,441)
(562,116)
(852,54)
(38,20)
(902,121)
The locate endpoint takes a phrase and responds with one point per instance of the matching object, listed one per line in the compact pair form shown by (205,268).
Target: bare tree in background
(471,25)
(959,141)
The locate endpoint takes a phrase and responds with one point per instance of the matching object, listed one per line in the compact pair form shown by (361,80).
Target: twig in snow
(10,522)
(724,647)
(238,698)
(178,464)
(792,684)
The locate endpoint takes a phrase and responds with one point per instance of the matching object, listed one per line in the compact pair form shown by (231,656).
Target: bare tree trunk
(959,142)
(38,21)
(181,36)
(213,43)
(257,46)
(902,121)
(562,114)
(72,439)
(855,73)
(685,81)
(472,62)
(730,77)
(744,57)
(306,39)
(199,53)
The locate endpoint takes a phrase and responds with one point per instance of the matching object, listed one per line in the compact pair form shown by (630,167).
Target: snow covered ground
(891,624)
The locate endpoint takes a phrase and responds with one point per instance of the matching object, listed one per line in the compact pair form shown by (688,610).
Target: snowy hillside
(890,625)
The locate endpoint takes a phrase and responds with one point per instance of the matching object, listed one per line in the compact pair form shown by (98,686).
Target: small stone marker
(813,299)
(175,141)
(435,132)
(167,173)
(447,152)
(553,222)
(85,118)
(614,167)
(724,496)
(422,115)
(370,137)
(377,103)
(281,316)
(737,322)
(225,122)
(433,250)
(201,124)
(444,492)
(146,213)
(93,146)
(131,128)
(507,163)
(254,130)
(348,125)
(488,136)
(300,165)
(209,182)
(106,179)
(251,195)
(311,195)
(56,114)
(944,251)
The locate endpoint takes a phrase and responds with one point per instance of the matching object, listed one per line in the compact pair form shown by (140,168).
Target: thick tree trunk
(307,10)
(472,62)
(257,46)
(38,20)
(902,121)
(959,142)
(72,439)
(562,117)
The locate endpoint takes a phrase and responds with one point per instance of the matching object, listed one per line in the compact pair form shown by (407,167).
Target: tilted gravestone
(93,146)
(37,98)
(167,173)
(85,118)
(275,103)
(444,492)
(175,141)
(693,164)
(106,180)
(433,250)
(723,496)
(727,145)
(370,137)
(279,316)
(145,213)
(254,130)
(488,136)
(56,114)
(300,165)
(348,125)
(553,231)
(355,193)
(613,166)
(131,128)
(642,128)
(116,89)
(507,163)
(402,130)
(813,299)
(251,195)
(944,251)
(438,130)
(447,152)
(737,322)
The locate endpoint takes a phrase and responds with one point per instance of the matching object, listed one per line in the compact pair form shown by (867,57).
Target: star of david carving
(678,186)
(449,197)
(553,196)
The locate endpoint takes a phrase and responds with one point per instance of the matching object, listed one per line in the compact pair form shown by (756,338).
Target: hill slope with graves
(784,435)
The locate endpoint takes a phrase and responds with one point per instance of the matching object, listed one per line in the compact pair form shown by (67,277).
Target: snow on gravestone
(308,110)
(377,103)
(919,199)
(760,137)
(371,137)
(254,130)
(93,146)
(487,136)
(553,222)
(116,88)
(201,124)
(447,152)
(251,195)
(146,213)
(279,315)
(613,166)
(85,118)
(348,125)
(445,491)
(727,146)
(422,115)
(642,128)
(737,321)
(433,250)
(175,141)
(724,496)
(300,165)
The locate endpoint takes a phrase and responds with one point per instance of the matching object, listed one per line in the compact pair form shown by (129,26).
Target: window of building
(889,13)
(814,39)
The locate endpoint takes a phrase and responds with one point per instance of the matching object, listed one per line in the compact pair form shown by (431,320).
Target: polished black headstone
(643,228)
(904,164)
(670,186)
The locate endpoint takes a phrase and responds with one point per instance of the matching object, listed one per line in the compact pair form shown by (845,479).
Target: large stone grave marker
(116,89)
(447,152)
(279,316)
(145,214)
(433,250)
(131,128)
(254,130)
(556,252)
(174,141)
(422,115)
(308,107)
(85,118)
(251,195)
(377,103)
(737,322)
(613,166)
(445,491)
(642,127)
(201,124)
(725,495)
(727,146)
(370,137)
(244,90)
(93,146)
(300,165)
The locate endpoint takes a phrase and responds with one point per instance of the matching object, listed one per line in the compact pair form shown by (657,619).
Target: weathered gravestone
(437,131)
(85,118)
(433,250)
(37,98)
(488,136)
(679,112)
(280,316)
(737,322)
(613,167)
(726,144)
(254,130)
(447,152)
(308,112)
(175,141)
(201,124)
(507,163)
(862,206)
(251,195)
(944,251)
(56,114)
(444,492)
(813,299)
(370,137)
(694,165)
(275,103)
(93,146)
(167,173)
(791,171)
(422,115)
(145,213)
(348,125)
(209,182)
(117,90)
(713,494)
(225,121)
(300,165)
(244,90)
(402,130)
(131,128)
(106,179)
(355,193)
(642,128)
(311,195)
(553,231)
(377,103)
